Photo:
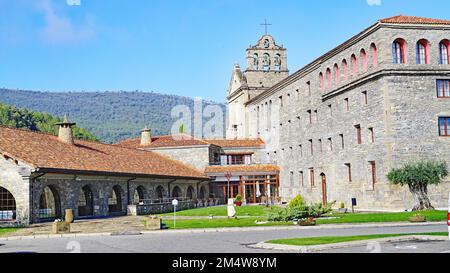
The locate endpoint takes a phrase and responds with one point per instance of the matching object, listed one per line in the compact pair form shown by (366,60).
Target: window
(346,105)
(365,98)
(330,108)
(337,75)
(374,50)
(444,126)
(371,135)
(345,68)
(7,205)
(363,60)
(281,100)
(311,177)
(358,134)
(330,144)
(443,88)
(311,146)
(235,159)
(302,181)
(291,178)
(349,171)
(422,52)
(301,150)
(444,52)
(329,78)
(308,84)
(316,115)
(322,81)
(320,145)
(399,51)
(310,116)
(342,141)
(354,65)
(373,171)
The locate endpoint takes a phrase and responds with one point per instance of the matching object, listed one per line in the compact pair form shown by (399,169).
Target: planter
(69,216)
(238,203)
(417,219)
(152,223)
(60,227)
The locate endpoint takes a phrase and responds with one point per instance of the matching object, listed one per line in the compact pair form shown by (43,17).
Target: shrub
(298,201)
(238,198)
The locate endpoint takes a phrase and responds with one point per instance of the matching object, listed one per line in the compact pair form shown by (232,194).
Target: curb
(231,229)
(317,248)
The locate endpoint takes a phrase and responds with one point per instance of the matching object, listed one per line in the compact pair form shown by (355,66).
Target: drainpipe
(33,180)
(128,190)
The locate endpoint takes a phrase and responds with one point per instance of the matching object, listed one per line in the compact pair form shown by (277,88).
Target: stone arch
(49,203)
(190,193)
(115,204)
(140,194)
(176,192)
(399,51)
(202,194)
(266,61)
(8,209)
(159,192)
(86,202)
(374,51)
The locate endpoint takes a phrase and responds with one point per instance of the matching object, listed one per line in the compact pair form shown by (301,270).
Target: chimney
(65,131)
(146,136)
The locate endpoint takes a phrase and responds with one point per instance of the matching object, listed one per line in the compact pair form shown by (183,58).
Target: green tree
(418,176)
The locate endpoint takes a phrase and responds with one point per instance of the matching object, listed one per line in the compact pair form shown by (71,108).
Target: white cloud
(73,2)
(374,2)
(60,29)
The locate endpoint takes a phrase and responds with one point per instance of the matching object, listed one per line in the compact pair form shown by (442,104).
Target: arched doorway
(324,189)
(86,202)
(202,193)
(159,192)
(190,193)
(115,200)
(176,192)
(7,206)
(49,204)
(139,195)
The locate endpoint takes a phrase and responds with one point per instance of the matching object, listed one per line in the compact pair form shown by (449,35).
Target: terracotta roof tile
(402,19)
(238,143)
(242,168)
(47,152)
(163,141)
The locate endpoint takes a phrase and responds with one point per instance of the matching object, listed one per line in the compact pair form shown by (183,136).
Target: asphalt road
(209,242)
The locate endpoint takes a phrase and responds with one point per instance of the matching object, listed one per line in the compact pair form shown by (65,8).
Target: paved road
(223,242)
(399,247)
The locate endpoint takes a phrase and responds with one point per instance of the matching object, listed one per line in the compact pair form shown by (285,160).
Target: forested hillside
(36,121)
(111,116)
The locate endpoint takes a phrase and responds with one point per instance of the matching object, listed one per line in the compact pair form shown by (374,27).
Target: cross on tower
(266,25)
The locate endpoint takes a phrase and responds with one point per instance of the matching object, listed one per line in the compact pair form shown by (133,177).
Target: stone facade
(311,128)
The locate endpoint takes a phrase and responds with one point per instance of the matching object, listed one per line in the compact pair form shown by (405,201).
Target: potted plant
(238,200)
(417,218)
(342,208)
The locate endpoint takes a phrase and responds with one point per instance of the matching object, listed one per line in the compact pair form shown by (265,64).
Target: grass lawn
(382,217)
(5,231)
(340,239)
(220,223)
(222,211)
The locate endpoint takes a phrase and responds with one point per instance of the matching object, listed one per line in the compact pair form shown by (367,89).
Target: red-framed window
(302,182)
(444,126)
(371,135)
(311,176)
(363,55)
(349,171)
(444,52)
(345,68)
(373,170)
(337,74)
(422,52)
(399,51)
(322,81)
(311,146)
(365,97)
(443,88)
(358,134)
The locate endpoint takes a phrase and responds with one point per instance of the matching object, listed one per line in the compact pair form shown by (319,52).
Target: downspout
(33,180)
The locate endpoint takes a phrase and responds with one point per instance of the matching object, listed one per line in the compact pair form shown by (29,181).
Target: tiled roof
(402,19)
(163,141)
(237,143)
(242,169)
(45,151)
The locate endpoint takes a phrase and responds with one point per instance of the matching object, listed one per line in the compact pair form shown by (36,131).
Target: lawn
(431,216)
(341,239)
(221,223)
(4,231)
(222,211)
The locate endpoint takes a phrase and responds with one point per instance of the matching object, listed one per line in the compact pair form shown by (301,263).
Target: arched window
(277,61)
(176,192)
(86,202)
(190,193)
(49,204)
(363,55)
(139,195)
(354,66)
(322,81)
(337,74)
(255,61)
(345,68)
(202,194)
(422,52)
(329,79)
(374,50)
(160,192)
(444,52)
(115,200)
(7,206)
(399,51)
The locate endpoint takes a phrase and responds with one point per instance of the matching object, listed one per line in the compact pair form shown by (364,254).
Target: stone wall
(197,157)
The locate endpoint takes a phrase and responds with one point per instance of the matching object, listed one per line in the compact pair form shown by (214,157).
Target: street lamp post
(228,175)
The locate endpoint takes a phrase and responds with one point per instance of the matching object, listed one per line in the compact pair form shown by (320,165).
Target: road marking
(406,247)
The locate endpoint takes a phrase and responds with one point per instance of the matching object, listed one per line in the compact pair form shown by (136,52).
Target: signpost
(174,204)
(354,204)
(228,176)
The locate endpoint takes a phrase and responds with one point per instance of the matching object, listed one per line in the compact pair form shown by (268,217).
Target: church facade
(337,126)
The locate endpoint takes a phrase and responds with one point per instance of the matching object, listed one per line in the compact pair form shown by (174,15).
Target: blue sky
(183,47)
